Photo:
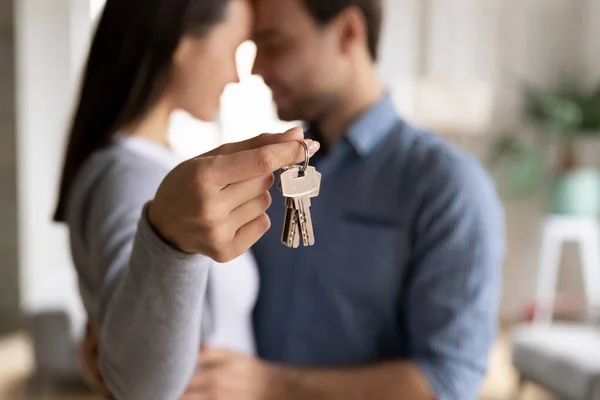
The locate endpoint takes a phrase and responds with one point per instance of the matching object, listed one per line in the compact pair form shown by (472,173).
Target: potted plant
(564,115)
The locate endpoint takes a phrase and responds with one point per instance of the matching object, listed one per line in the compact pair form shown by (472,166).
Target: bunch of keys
(298,185)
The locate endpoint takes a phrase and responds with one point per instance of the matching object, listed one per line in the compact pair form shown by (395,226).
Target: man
(399,296)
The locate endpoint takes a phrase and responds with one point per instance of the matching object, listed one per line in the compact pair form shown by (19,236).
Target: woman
(148,57)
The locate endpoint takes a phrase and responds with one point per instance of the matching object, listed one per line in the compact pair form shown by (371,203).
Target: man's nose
(257,65)
(255,69)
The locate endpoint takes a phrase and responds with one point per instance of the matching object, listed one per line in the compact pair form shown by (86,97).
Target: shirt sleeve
(455,283)
(149,296)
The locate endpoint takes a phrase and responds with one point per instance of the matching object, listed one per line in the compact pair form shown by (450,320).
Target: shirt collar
(366,132)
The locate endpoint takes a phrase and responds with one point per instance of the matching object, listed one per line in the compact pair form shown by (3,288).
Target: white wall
(498,42)
(50,36)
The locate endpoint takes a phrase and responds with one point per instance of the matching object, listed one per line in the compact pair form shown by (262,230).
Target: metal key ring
(306,156)
(306,159)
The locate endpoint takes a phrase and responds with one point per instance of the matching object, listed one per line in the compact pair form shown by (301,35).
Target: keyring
(306,156)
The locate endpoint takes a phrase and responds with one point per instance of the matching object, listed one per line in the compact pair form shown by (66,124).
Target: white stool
(556,231)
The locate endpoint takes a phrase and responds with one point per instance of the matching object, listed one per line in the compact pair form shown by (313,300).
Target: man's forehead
(274,16)
(274,10)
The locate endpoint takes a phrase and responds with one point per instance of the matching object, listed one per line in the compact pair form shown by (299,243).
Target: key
(294,184)
(302,205)
(290,235)
(300,188)
(291,232)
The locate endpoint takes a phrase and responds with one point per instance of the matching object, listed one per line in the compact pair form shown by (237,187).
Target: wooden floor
(16,364)
(502,381)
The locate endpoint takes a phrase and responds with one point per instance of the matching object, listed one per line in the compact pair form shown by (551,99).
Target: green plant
(519,167)
(567,113)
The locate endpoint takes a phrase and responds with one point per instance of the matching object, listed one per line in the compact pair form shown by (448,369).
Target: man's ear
(352,29)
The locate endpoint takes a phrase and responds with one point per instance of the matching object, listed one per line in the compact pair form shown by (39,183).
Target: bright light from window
(244,58)
(247,107)
(96,7)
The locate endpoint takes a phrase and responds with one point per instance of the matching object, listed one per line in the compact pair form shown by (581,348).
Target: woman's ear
(183,50)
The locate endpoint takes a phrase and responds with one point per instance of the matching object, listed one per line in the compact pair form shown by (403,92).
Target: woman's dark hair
(127,71)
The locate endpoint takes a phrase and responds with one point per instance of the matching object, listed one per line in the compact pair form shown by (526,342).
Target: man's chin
(288,115)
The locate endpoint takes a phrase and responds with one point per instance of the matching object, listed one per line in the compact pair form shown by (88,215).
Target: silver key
(305,220)
(300,188)
(296,184)
(290,235)
(291,231)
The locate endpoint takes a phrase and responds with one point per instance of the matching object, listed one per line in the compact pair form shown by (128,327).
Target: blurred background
(514,81)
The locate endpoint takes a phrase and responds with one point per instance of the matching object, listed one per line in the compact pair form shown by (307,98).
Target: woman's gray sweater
(146,297)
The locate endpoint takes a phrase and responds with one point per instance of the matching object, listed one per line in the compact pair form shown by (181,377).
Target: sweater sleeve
(148,298)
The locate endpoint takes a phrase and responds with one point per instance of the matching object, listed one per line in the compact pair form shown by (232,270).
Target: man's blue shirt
(407,262)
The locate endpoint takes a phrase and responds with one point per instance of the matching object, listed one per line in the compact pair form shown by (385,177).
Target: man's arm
(451,306)
(231,375)
(385,381)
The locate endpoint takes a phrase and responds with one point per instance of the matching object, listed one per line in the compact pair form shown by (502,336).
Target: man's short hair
(324,11)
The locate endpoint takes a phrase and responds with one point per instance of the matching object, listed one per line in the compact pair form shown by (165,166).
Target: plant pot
(576,193)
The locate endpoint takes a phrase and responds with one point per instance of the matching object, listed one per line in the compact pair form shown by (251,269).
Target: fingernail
(309,143)
(313,146)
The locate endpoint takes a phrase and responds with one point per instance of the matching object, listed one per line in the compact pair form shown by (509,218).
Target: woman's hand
(88,362)
(215,204)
